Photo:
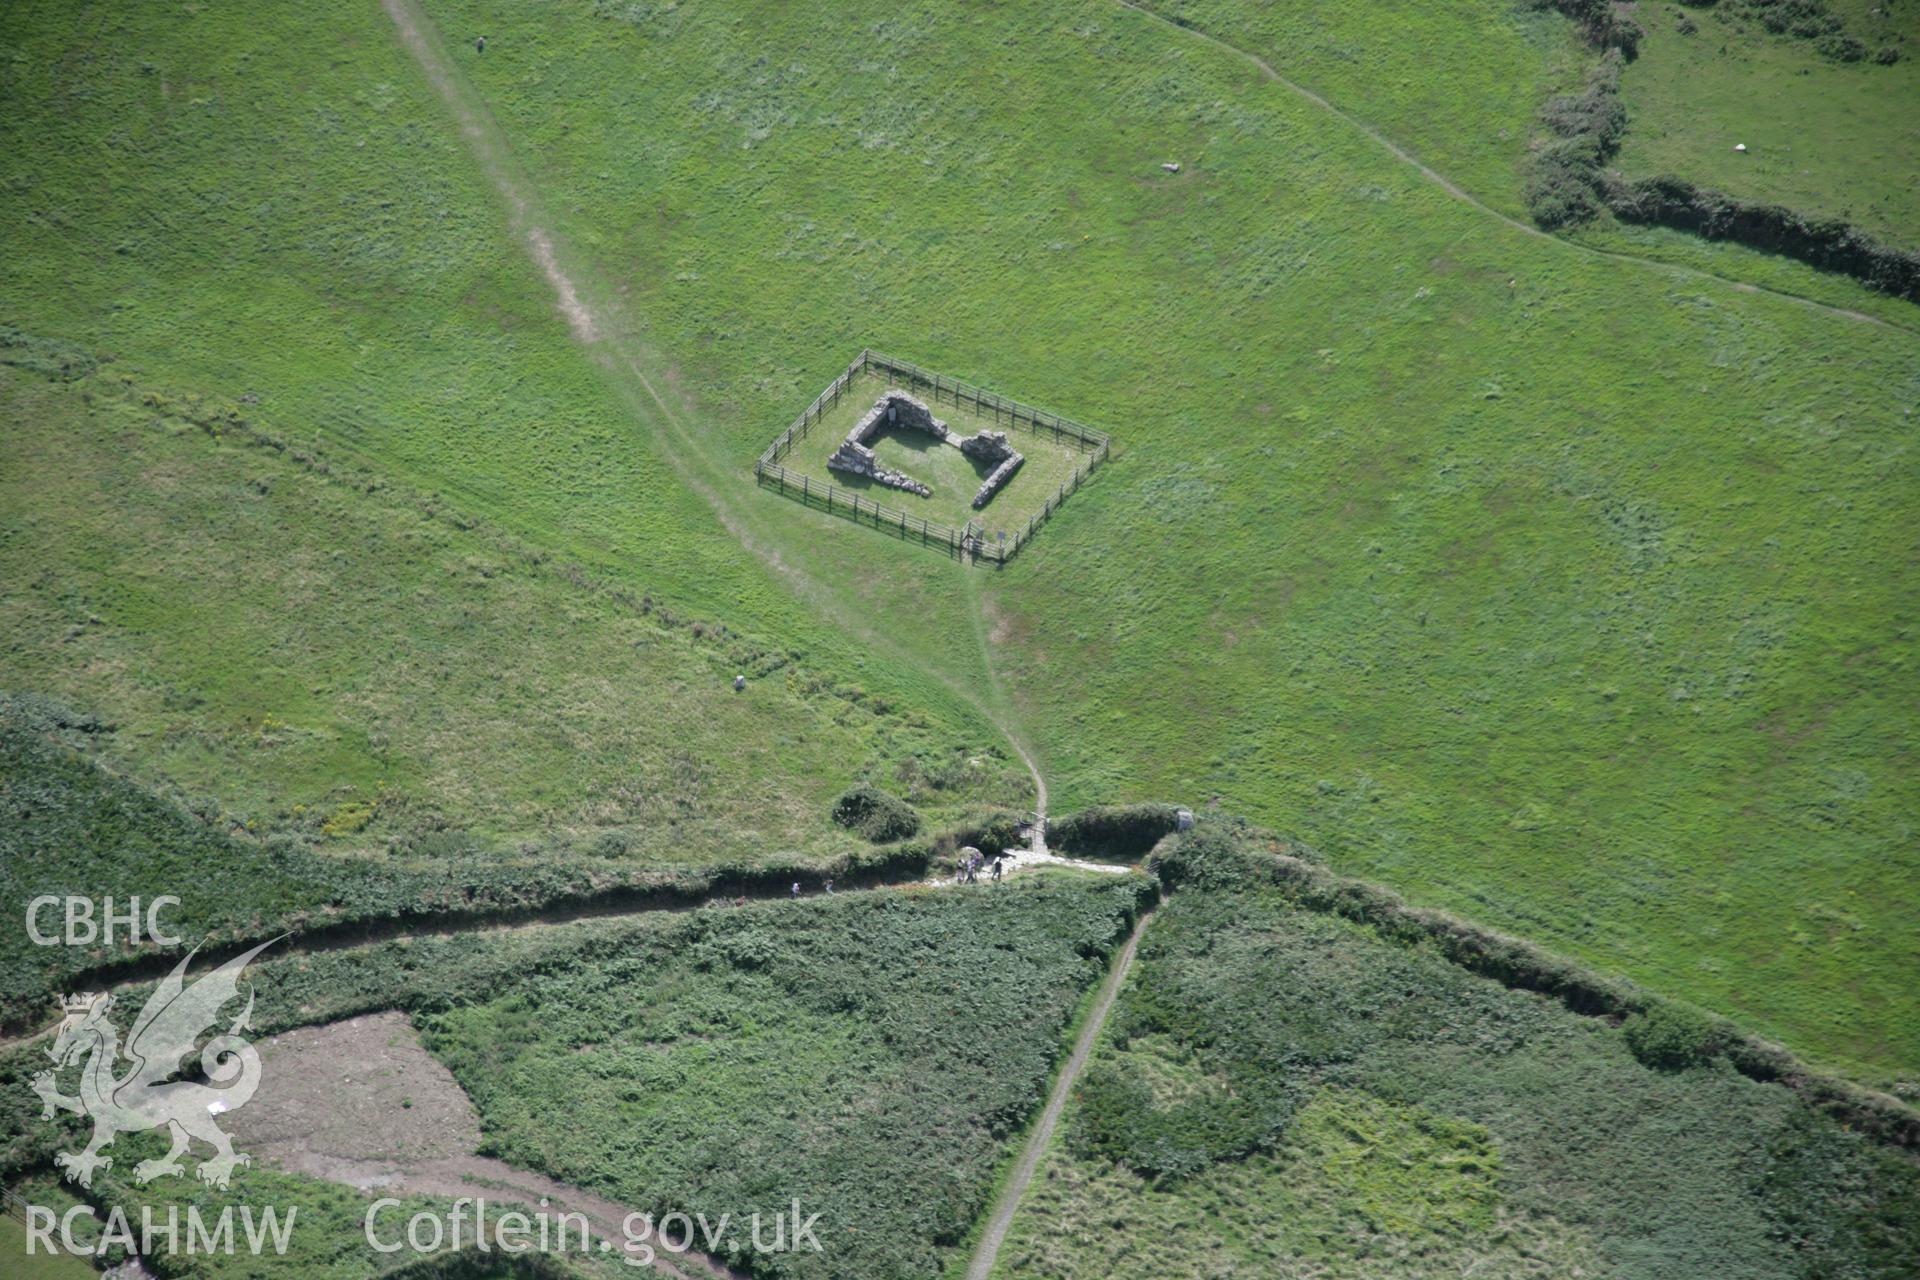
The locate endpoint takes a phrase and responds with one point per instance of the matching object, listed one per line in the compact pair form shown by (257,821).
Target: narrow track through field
(1000,1220)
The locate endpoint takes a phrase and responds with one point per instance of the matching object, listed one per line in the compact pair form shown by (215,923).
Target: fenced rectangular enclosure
(1059,454)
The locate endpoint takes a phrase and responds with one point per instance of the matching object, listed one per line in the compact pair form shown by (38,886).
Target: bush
(1565,176)
(1119,1119)
(876,815)
(1673,1036)
(1114,832)
(992,833)
(1603,25)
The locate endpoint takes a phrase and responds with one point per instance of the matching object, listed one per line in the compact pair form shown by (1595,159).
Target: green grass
(1388,1114)
(39,1265)
(1825,138)
(370,669)
(1562,591)
(1496,570)
(953,477)
(1458,85)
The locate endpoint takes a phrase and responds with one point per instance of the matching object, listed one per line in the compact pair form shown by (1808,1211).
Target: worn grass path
(1467,198)
(595,324)
(1000,1220)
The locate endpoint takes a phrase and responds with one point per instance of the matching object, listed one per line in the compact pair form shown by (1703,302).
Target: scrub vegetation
(1287,1091)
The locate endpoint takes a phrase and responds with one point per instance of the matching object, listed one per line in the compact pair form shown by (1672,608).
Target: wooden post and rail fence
(969,542)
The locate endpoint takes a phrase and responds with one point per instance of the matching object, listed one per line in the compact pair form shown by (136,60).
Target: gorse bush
(876,815)
(1565,172)
(1673,1036)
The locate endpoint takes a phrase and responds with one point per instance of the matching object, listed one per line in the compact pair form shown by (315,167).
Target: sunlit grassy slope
(1830,139)
(268,214)
(360,667)
(1564,591)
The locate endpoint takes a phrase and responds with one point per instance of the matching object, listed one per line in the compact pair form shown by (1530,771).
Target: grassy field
(1458,85)
(370,670)
(1830,139)
(953,477)
(513,615)
(1282,1093)
(1495,569)
(39,1265)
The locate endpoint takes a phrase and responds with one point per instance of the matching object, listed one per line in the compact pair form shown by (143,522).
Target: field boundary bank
(1466,197)
(1000,1217)
(1825,244)
(911,867)
(971,543)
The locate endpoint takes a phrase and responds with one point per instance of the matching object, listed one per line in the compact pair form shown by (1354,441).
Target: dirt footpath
(362,1103)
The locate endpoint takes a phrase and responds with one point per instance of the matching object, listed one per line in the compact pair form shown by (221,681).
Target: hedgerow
(1828,243)
(1565,172)
(75,829)
(1117,833)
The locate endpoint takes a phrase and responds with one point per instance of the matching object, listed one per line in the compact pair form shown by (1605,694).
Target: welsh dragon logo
(144,1096)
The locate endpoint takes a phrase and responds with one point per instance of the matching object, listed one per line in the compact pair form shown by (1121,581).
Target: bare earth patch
(362,1103)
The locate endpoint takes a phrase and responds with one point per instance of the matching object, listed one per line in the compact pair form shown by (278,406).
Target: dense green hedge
(1565,172)
(1827,243)
(1114,833)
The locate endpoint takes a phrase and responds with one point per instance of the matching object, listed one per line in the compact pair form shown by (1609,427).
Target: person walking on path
(996,868)
(829,886)
(794,893)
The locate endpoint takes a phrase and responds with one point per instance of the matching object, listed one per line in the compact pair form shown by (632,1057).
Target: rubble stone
(857,459)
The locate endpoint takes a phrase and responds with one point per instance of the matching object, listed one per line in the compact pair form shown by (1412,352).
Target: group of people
(967,868)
